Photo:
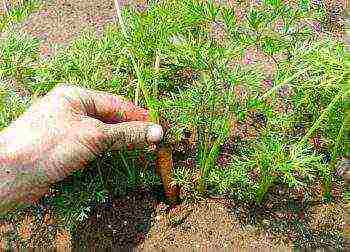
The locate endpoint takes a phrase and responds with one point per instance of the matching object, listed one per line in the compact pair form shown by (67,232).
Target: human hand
(62,132)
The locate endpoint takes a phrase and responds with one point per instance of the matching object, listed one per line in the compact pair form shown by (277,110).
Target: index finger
(110,108)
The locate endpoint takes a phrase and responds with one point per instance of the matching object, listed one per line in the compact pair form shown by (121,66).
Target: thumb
(136,133)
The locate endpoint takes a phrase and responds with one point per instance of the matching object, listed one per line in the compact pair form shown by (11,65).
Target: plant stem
(120,19)
(284,82)
(128,170)
(156,69)
(297,148)
(100,173)
(140,83)
(5,6)
(264,187)
(340,133)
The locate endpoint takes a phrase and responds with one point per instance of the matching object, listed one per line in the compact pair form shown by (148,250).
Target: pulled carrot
(164,168)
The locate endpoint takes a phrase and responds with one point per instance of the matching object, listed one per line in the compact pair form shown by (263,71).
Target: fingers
(135,133)
(111,108)
(107,107)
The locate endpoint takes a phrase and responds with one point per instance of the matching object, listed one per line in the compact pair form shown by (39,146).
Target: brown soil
(206,224)
(58,22)
(347,225)
(141,222)
(119,223)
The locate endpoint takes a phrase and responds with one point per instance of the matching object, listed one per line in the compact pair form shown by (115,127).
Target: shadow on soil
(121,223)
(312,224)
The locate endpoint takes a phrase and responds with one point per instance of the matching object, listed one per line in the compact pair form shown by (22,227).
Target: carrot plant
(16,11)
(18,55)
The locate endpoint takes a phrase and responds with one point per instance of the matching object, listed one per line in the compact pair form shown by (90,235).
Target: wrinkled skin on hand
(62,132)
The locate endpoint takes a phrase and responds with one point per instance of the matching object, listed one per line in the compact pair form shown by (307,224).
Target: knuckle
(137,135)
(125,134)
(131,134)
(101,130)
(63,88)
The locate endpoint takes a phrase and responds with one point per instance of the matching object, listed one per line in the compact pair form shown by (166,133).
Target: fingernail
(146,115)
(154,133)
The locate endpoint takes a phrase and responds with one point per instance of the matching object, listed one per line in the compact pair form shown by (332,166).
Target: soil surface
(206,224)
(142,222)
(58,22)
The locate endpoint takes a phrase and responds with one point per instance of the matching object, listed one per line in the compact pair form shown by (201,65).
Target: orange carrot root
(164,168)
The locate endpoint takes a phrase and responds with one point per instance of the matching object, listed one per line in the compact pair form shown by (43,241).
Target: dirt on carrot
(164,168)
